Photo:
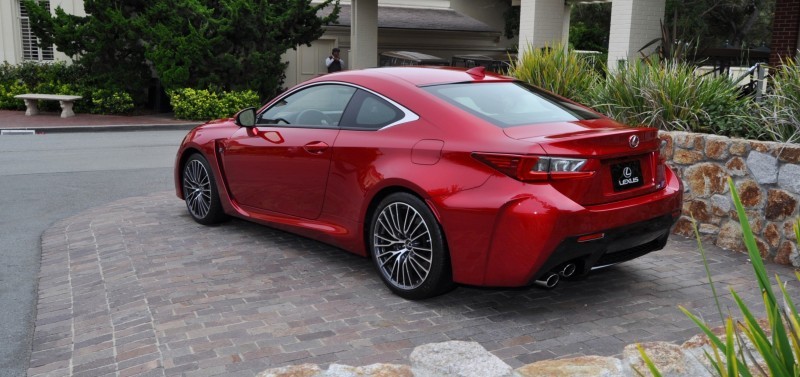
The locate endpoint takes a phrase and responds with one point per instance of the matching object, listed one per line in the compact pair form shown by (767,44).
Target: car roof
(419,75)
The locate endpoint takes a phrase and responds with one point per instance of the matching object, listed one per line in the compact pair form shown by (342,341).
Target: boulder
(584,366)
(456,359)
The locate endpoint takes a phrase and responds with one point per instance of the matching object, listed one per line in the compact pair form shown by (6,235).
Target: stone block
(717,147)
(772,235)
(688,140)
(668,151)
(687,157)
(721,205)
(780,205)
(584,366)
(789,178)
(736,167)
(761,146)
(668,358)
(788,230)
(705,179)
(684,227)
(708,229)
(456,359)
(790,154)
(750,194)
(763,167)
(739,147)
(730,237)
(303,370)
(787,254)
(698,210)
(374,370)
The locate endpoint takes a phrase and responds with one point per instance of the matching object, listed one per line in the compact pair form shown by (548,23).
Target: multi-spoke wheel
(200,191)
(408,248)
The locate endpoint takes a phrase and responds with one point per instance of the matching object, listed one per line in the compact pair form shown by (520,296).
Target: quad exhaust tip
(568,270)
(549,280)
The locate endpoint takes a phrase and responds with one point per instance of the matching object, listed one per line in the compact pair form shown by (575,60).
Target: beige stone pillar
(363,35)
(543,22)
(634,23)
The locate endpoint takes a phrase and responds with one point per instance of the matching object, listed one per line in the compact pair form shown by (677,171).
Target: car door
(282,164)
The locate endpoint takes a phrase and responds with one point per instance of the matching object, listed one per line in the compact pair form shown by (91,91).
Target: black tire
(408,249)
(200,191)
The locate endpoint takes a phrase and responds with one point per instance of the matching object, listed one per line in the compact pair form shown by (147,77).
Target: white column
(543,22)
(634,23)
(363,35)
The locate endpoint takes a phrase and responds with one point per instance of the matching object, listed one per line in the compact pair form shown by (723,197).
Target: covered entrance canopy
(634,23)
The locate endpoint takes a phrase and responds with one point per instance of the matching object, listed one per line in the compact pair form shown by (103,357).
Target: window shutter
(30,44)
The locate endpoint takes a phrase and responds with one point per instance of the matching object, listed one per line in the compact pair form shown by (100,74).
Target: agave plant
(777,346)
(557,69)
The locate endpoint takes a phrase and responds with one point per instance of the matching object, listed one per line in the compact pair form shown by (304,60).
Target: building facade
(17,42)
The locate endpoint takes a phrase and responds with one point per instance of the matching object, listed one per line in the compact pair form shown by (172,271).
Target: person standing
(334,62)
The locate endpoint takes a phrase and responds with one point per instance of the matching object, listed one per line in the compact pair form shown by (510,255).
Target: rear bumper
(540,229)
(617,245)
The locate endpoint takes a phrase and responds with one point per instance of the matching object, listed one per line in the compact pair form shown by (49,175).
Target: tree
(217,44)
(715,23)
(107,43)
(229,44)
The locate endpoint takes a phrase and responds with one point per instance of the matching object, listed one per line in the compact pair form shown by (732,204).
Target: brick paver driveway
(137,287)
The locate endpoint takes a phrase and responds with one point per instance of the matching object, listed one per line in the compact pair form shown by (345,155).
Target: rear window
(508,104)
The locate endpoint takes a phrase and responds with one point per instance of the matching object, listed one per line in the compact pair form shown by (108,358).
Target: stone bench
(32,108)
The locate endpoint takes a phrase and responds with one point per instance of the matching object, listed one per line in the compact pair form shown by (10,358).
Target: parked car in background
(440,175)
(498,63)
(404,58)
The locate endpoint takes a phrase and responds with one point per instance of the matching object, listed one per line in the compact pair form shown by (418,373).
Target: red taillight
(534,168)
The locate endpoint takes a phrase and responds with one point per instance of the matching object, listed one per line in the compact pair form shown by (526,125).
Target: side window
(315,106)
(370,112)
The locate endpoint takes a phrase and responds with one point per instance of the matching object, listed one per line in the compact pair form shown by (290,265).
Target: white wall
(634,23)
(10,38)
(542,23)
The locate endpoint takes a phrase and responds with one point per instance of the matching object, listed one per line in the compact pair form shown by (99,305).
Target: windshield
(508,104)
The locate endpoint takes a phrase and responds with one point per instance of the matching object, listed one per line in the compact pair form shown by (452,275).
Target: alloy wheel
(402,246)
(197,188)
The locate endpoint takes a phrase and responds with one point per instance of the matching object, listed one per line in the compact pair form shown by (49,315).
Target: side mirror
(246,117)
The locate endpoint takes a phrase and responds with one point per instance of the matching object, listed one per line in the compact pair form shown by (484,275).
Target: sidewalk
(52,122)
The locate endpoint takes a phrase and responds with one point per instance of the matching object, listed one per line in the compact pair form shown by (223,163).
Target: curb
(106,128)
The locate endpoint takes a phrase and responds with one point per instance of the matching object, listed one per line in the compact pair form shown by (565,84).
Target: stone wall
(767,177)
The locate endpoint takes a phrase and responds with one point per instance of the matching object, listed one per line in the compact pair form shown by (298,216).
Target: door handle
(316,147)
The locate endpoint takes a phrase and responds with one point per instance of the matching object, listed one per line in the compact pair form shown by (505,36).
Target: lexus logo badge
(627,172)
(633,141)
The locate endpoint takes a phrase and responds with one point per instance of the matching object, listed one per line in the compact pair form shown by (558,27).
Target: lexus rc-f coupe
(439,175)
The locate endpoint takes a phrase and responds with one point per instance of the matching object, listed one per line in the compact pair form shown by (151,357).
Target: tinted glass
(370,112)
(508,104)
(320,105)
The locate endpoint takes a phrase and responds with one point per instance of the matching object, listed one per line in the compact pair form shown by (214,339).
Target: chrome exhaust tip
(549,280)
(568,270)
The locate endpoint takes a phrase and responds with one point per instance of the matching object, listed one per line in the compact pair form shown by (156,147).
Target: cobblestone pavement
(137,287)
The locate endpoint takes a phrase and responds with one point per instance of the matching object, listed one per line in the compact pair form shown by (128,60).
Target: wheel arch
(384,193)
(185,154)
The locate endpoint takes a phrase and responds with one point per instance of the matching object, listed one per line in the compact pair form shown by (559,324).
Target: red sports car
(440,175)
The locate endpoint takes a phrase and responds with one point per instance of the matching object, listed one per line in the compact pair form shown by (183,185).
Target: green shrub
(556,69)
(104,101)
(204,104)
(7,92)
(59,78)
(671,96)
(780,110)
